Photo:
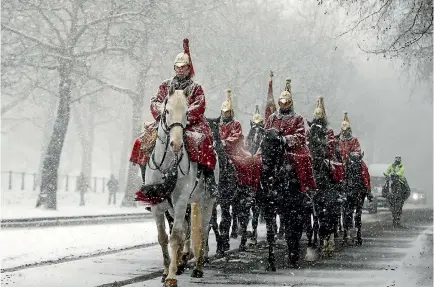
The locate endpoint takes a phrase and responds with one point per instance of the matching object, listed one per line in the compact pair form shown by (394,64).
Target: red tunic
(232,135)
(199,135)
(365,175)
(338,171)
(292,128)
(347,146)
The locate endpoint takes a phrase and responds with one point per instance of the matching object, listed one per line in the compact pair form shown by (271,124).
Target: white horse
(168,158)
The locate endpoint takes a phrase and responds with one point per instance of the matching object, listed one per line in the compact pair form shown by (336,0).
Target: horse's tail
(196,229)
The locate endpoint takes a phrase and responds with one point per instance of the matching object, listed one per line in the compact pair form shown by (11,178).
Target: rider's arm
(196,105)
(297,136)
(355,147)
(389,170)
(158,100)
(236,133)
(400,171)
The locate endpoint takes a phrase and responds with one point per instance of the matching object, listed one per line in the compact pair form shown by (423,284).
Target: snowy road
(377,263)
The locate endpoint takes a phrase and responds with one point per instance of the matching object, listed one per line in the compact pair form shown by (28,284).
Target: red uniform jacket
(199,136)
(231,134)
(292,128)
(347,146)
(365,175)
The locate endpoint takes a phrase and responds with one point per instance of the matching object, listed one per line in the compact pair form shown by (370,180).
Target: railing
(12,180)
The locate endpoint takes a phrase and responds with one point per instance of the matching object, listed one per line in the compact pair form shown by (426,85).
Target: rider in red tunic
(347,143)
(199,140)
(232,138)
(350,145)
(291,125)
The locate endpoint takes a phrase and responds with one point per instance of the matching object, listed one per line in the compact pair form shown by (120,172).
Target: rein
(166,129)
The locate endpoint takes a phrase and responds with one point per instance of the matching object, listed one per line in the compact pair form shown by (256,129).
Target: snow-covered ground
(21,204)
(27,246)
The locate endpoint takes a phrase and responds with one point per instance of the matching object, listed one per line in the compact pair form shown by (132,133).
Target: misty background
(127,48)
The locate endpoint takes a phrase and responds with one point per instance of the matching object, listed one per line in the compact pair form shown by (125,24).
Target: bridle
(166,129)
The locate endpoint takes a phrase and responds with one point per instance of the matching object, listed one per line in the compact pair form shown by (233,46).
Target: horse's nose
(176,147)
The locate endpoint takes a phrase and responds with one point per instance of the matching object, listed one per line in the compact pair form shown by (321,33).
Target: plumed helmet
(286,96)
(345,123)
(320,112)
(257,118)
(182,59)
(227,105)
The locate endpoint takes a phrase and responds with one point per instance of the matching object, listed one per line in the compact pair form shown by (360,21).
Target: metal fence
(12,180)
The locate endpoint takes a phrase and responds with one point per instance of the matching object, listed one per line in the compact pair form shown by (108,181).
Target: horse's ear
(362,154)
(171,90)
(165,102)
(186,92)
(309,123)
(251,123)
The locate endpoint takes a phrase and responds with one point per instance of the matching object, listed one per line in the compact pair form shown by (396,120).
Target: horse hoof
(171,283)
(163,278)
(271,267)
(359,241)
(181,269)
(242,248)
(197,273)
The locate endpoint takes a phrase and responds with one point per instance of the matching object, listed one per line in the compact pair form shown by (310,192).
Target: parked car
(417,196)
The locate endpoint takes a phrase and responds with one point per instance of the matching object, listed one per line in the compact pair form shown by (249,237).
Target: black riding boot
(210,183)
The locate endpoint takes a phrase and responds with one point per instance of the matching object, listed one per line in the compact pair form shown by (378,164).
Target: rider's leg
(210,182)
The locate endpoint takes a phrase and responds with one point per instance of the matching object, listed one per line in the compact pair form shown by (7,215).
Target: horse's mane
(177,101)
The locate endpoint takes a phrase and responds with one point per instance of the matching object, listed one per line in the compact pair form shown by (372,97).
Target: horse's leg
(281,230)
(243,215)
(176,240)
(215,227)
(169,220)
(294,227)
(185,255)
(358,220)
(163,240)
(308,227)
(225,224)
(235,204)
(255,219)
(201,224)
(269,216)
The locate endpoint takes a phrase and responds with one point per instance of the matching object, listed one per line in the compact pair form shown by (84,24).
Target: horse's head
(174,119)
(318,139)
(255,136)
(272,147)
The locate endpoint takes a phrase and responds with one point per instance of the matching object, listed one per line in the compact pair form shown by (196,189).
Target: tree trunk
(47,130)
(131,188)
(48,191)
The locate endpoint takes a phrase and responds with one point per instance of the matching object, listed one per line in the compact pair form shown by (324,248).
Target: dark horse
(326,199)
(230,193)
(355,193)
(396,193)
(254,139)
(280,189)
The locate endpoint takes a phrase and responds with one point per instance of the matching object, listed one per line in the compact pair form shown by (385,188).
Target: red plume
(187,51)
